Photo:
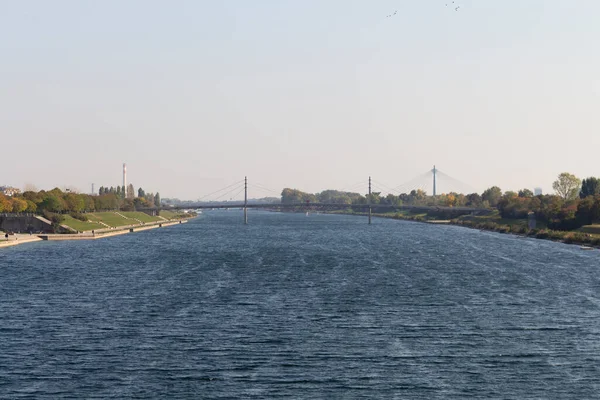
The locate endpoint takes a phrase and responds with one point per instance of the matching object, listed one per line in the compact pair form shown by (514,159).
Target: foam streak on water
(300,307)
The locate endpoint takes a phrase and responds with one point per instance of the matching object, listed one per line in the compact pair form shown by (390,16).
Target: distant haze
(193,95)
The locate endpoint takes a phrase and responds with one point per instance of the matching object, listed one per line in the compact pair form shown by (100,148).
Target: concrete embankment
(15,240)
(104,233)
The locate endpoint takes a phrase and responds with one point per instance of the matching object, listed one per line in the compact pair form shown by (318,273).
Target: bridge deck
(323,206)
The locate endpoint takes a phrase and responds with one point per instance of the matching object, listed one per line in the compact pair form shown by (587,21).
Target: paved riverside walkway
(21,238)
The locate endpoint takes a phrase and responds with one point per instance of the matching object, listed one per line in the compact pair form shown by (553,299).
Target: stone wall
(24,224)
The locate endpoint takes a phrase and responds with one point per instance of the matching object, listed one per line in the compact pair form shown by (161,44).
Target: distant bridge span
(324,206)
(367,207)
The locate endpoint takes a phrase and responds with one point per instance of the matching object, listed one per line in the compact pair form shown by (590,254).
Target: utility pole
(245,200)
(434,183)
(369,201)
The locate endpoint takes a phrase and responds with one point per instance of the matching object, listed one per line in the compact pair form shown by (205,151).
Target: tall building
(537,191)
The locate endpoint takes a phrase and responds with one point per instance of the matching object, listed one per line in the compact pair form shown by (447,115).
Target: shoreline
(546,234)
(88,235)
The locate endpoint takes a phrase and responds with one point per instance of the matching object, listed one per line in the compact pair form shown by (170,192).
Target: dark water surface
(300,307)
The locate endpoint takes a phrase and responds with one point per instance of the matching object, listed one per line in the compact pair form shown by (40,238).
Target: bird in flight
(455,8)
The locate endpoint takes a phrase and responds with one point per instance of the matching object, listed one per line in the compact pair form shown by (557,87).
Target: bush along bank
(569,237)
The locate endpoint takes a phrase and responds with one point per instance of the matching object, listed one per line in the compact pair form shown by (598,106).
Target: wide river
(296,306)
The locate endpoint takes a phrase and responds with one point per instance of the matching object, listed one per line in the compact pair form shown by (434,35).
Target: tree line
(575,202)
(418,197)
(58,201)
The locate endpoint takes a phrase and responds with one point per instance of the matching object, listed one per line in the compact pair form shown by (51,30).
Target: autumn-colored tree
(5,204)
(18,205)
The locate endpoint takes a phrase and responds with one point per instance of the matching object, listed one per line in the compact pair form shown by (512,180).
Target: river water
(296,306)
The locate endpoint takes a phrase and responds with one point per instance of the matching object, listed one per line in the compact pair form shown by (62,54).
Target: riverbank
(17,239)
(514,227)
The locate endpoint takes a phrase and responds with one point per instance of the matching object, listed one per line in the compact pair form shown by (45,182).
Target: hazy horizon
(313,95)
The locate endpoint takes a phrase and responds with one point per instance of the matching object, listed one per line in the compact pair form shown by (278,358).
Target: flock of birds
(453,4)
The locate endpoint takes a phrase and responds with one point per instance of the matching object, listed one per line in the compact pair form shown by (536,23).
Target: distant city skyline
(313,95)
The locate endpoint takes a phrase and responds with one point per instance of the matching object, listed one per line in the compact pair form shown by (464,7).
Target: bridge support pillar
(245,200)
(369,202)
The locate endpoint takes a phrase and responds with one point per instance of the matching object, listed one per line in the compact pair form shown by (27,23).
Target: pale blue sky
(194,95)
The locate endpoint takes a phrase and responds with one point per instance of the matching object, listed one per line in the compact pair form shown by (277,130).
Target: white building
(9,191)
(537,191)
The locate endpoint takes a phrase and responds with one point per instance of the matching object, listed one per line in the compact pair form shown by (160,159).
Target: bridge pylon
(245,200)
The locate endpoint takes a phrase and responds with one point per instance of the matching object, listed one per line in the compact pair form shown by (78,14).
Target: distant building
(9,191)
(537,191)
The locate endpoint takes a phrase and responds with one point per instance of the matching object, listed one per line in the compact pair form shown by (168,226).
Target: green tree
(36,197)
(567,186)
(141,193)
(74,202)
(52,203)
(525,193)
(140,202)
(587,211)
(128,205)
(88,203)
(106,202)
(492,195)
(393,200)
(157,199)
(295,196)
(375,197)
(31,206)
(474,200)
(589,187)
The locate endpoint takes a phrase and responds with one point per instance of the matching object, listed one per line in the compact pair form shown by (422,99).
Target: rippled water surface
(300,307)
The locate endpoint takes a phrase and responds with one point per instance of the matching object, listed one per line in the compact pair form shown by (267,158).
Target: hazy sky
(311,94)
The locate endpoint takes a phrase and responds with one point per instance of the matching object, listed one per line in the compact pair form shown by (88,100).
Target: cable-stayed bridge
(229,196)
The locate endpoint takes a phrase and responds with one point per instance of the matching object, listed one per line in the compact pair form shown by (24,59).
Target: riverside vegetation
(87,212)
(571,215)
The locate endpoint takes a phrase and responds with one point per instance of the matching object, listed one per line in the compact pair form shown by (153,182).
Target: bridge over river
(367,207)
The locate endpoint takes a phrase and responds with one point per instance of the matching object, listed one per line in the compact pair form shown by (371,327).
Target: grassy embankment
(593,230)
(168,214)
(97,220)
(140,216)
(80,225)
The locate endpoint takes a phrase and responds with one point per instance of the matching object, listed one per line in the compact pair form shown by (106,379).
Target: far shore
(582,244)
